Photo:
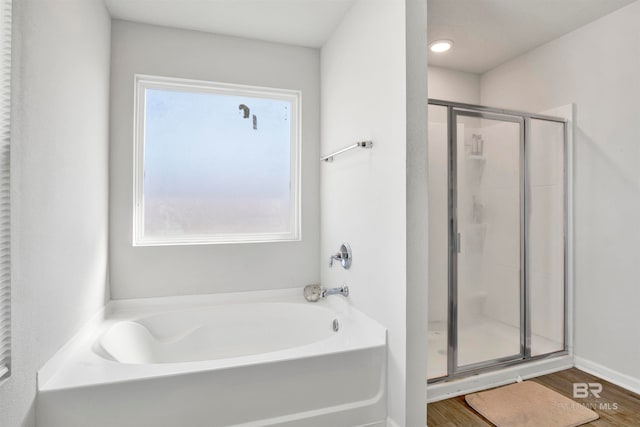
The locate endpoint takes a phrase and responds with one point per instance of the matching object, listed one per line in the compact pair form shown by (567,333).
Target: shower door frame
(524,119)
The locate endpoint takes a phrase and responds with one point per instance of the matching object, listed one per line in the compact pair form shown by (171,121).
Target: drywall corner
(417,212)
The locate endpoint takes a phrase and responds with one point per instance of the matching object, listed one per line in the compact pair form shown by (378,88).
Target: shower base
(482,340)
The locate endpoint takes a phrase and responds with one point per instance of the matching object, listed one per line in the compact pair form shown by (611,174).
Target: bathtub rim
(80,345)
(147,321)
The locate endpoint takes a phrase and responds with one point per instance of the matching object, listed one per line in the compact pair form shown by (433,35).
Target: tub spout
(313,293)
(343,290)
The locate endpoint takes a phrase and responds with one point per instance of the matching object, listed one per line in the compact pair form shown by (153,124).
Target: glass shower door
(437,359)
(486,203)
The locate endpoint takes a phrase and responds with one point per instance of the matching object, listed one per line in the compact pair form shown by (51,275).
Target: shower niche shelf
(475,166)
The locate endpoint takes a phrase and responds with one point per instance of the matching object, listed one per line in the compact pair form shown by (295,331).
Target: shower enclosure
(497,246)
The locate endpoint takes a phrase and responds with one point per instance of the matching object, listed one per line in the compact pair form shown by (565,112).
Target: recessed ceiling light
(440,46)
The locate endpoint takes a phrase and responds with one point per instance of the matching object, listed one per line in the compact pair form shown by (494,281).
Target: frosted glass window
(215,163)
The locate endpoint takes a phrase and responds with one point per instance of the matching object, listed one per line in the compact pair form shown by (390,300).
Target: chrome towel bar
(361,144)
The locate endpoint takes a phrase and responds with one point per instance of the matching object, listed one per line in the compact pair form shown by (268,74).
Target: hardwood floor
(616,406)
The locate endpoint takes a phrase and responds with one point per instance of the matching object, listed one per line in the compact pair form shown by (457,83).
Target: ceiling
(487,33)
(298,22)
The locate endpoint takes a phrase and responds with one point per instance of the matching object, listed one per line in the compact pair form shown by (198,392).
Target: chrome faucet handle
(344,256)
(336,257)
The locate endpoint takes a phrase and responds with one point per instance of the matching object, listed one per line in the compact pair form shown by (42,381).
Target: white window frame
(144,82)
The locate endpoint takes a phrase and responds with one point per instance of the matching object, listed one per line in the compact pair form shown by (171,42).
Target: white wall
(59,184)
(417,230)
(366,77)
(453,85)
(597,67)
(174,270)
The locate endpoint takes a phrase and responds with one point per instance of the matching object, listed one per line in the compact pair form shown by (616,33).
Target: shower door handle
(458,243)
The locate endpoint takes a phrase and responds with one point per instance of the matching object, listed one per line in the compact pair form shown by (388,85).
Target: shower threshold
(485,339)
(498,376)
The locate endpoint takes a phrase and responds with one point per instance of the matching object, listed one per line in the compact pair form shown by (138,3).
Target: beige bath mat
(529,404)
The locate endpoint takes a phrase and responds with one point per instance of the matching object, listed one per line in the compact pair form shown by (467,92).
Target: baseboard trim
(391,423)
(446,390)
(375,424)
(618,378)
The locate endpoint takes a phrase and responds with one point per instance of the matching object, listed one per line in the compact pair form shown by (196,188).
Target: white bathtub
(246,359)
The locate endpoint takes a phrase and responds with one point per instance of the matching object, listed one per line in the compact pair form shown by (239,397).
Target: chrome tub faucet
(342,290)
(313,293)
